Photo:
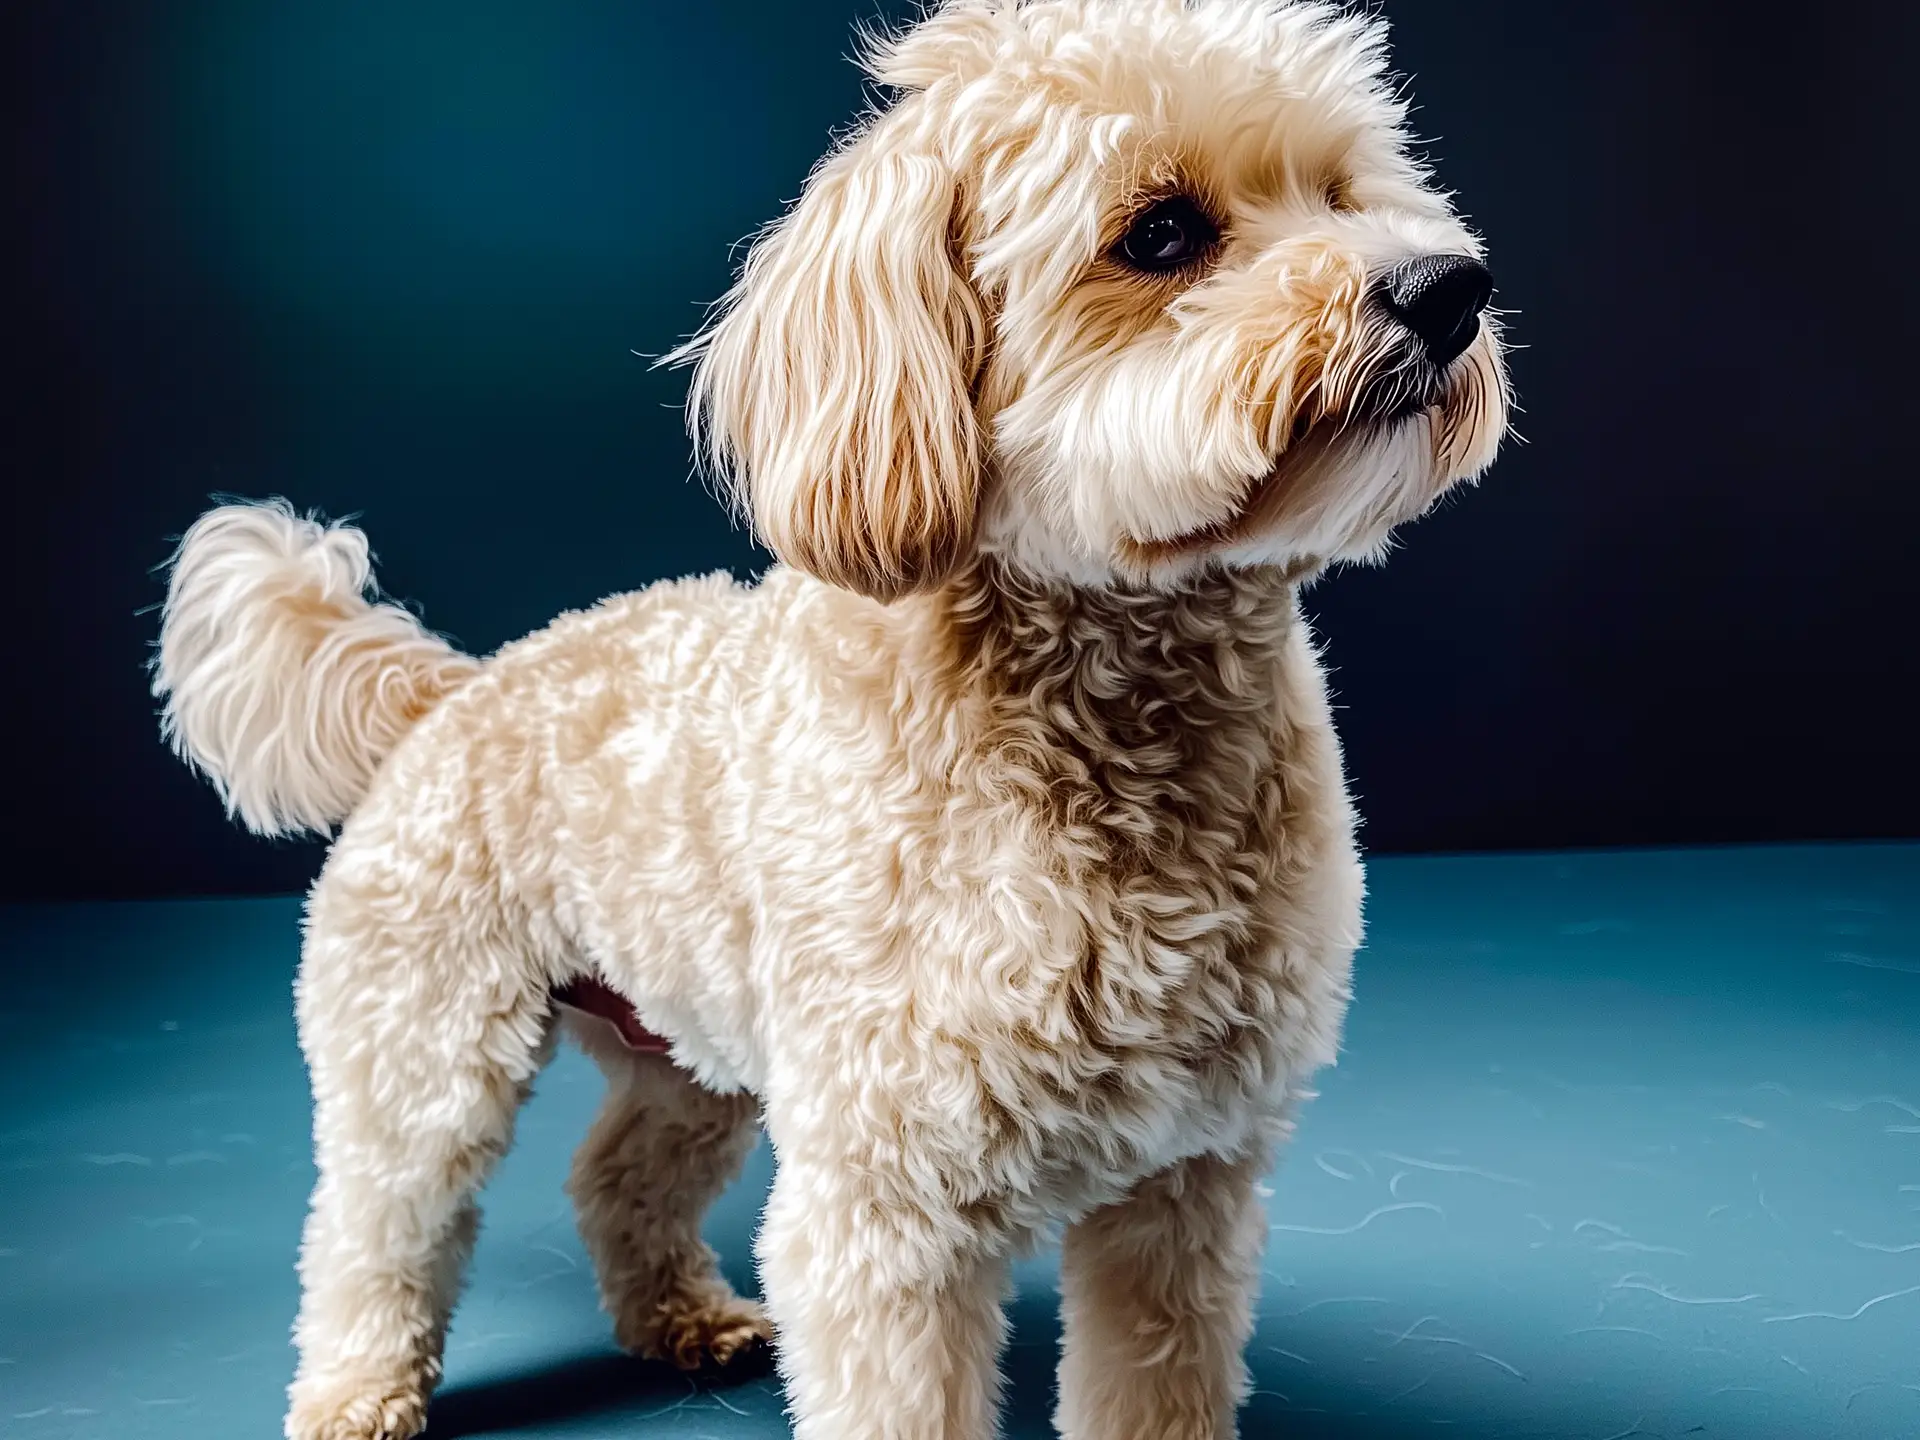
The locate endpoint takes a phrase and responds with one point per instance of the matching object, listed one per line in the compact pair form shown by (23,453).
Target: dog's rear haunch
(994,848)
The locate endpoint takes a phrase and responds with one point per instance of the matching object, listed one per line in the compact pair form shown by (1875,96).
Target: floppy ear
(834,389)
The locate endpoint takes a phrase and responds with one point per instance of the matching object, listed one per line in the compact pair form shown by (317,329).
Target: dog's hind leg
(660,1152)
(424,1025)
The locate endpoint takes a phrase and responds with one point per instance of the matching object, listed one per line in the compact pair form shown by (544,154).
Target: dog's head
(1118,288)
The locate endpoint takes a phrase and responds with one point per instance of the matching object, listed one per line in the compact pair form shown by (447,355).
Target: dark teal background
(396,259)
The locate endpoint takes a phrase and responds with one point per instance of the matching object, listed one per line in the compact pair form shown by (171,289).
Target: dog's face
(1117,288)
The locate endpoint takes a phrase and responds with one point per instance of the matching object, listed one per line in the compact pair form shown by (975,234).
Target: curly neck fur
(1117,698)
(1152,754)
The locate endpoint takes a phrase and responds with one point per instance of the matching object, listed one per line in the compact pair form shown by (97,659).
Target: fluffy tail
(284,679)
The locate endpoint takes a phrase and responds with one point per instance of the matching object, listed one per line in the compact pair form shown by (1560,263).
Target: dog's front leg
(887,1313)
(1158,1296)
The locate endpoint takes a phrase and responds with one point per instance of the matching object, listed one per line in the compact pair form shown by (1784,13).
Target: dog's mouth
(1386,401)
(1266,500)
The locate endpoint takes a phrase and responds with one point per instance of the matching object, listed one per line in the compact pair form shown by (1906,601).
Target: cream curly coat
(994,849)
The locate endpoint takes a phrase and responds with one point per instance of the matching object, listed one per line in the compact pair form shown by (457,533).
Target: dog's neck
(1123,693)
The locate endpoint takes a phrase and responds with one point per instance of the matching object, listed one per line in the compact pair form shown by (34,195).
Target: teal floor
(1622,1145)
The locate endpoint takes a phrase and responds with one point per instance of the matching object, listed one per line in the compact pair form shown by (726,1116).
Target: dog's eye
(1168,235)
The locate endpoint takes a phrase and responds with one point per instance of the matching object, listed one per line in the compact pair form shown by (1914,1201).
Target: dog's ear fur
(834,389)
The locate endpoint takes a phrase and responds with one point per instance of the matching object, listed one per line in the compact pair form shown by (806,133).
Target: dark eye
(1168,235)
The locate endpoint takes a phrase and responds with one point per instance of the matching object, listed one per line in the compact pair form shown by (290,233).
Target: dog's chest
(1163,1012)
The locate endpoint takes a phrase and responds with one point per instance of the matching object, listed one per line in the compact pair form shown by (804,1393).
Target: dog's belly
(589,997)
(649,1007)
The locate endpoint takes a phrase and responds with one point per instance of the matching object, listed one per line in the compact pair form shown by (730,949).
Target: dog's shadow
(604,1384)
(577,1389)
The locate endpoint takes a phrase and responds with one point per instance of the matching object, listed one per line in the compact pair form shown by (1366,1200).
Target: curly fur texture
(285,682)
(994,849)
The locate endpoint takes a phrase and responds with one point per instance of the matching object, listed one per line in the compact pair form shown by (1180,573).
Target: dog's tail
(284,678)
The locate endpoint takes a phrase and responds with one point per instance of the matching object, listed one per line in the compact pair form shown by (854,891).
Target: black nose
(1439,298)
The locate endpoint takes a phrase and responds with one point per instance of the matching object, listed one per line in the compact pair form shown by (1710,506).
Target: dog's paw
(356,1409)
(716,1333)
(699,1332)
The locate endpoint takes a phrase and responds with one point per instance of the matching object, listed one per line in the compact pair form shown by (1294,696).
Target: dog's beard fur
(937,352)
(1295,425)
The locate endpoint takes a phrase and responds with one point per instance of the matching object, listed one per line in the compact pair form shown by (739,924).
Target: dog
(993,850)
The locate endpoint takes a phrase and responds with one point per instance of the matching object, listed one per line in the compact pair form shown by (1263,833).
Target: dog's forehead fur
(1061,118)
(1083,49)
(1257,95)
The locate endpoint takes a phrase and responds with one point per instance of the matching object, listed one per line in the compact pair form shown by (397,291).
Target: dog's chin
(1324,498)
